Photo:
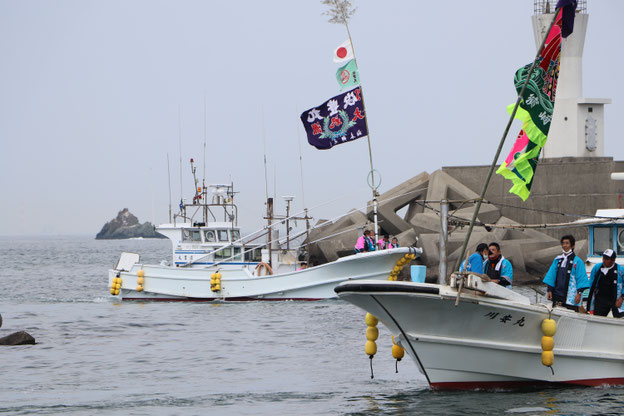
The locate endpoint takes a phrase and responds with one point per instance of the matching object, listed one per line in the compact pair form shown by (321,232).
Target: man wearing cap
(475,261)
(606,282)
(567,277)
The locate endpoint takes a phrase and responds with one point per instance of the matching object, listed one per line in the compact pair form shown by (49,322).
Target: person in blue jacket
(475,261)
(567,277)
(606,281)
(497,267)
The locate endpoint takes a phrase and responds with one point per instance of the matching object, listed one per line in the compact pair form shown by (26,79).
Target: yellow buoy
(112,291)
(397,352)
(548,358)
(371,320)
(140,273)
(139,288)
(140,280)
(217,287)
(549,327)
(117,286)
(372,333)
(548,343)
(370,348)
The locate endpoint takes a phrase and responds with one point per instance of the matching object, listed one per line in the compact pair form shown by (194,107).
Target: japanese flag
(344,52)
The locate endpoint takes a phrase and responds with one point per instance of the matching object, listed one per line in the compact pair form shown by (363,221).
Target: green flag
(348,75)
(535,111)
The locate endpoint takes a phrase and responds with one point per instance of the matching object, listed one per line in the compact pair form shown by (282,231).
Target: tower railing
(548,6)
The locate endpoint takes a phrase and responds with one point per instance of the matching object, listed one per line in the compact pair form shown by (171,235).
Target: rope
(460,221)
(371,366)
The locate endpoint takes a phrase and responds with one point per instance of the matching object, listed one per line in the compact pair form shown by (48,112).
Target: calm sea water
(97,356)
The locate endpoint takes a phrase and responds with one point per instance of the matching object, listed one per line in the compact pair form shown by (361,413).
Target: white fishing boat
(472,334)
(210,260)
(486,337)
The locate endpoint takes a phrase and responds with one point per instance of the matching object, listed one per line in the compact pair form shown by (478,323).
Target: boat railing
(264,231)
(229,216)
(253,236)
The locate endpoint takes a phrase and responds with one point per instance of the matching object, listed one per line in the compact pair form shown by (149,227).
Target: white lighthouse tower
(577,128)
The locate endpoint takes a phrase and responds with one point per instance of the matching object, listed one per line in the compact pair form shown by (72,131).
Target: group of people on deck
(566,278)
(367,242)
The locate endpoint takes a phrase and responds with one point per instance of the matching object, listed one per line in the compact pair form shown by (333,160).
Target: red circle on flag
(341,52)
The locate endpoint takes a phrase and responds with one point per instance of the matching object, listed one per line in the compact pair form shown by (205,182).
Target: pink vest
(360,243)
(383,244)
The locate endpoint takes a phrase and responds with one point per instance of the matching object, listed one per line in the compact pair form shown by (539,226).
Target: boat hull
(238,284)
(491,343)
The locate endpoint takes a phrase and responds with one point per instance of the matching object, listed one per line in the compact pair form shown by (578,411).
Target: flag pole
(370,151)
(500,145)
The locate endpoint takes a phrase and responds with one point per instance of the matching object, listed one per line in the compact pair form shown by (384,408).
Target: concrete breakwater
(563,190)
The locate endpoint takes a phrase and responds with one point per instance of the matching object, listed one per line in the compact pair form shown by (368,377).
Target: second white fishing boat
(210,261)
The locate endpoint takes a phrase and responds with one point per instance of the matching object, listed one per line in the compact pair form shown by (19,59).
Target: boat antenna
(275,181)
(169,178)
(340,11)
(152,191)
(266,181)
(300,165)
(205,128)
(180,146)
(500,145)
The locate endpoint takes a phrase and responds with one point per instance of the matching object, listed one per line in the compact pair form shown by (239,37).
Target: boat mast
(269,201)
(270,228)
(307,220)
(180,147)
(288,200)
(204,177)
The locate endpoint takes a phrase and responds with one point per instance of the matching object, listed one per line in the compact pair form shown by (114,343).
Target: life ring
(260,266)
(620,239)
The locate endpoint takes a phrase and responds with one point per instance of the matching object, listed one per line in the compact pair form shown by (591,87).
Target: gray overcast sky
(90,91)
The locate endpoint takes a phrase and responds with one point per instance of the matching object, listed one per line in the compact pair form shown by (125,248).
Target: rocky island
(126,225)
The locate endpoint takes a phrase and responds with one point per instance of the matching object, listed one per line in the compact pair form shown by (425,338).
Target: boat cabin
(606,235)
(203,234)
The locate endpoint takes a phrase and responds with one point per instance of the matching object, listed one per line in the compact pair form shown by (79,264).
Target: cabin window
(620,240)
(225,253)
(237,253)
(191,235)
(603,239)
(254,255)
(223,235)
(210,237)
(235,235)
